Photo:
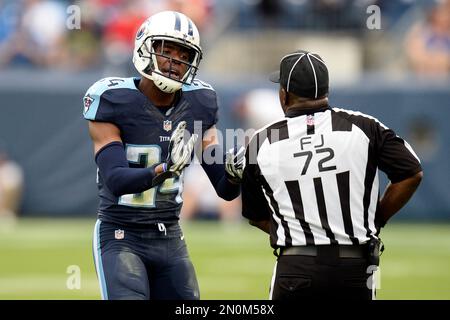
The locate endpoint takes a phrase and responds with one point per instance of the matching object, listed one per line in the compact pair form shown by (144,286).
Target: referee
(311,182)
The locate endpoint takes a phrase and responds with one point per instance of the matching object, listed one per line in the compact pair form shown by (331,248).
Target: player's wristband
(164,166)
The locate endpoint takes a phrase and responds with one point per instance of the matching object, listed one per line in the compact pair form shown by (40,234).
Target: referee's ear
(283,95)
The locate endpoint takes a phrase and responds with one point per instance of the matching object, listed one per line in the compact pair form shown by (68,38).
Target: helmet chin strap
(165,84)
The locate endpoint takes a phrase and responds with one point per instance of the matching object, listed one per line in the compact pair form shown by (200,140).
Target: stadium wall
(42,127)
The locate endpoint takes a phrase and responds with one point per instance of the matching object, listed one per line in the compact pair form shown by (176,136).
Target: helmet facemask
(168,80)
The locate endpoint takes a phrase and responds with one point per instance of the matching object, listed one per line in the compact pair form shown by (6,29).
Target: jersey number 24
(148,155)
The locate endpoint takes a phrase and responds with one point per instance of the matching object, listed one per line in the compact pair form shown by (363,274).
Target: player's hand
(178,156)
(180,153)
(234,164)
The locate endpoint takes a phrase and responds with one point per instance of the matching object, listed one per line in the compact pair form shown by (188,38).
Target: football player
(138,128)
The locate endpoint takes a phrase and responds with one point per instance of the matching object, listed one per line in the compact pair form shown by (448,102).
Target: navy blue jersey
(145,132)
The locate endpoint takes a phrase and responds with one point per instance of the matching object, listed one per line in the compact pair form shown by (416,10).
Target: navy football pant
(143,264)
(297,278)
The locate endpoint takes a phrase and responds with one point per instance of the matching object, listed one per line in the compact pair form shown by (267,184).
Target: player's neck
(157,97)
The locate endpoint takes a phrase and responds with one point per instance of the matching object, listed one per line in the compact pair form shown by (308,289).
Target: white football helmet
(166,26)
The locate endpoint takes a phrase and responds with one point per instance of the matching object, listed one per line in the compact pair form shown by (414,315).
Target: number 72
(329,154)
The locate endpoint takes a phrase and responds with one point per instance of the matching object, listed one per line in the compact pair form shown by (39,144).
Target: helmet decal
(177,21)
(140,33)
(190,30)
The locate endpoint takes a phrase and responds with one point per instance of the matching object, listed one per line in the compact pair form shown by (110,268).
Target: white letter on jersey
(73,21)
(74,280)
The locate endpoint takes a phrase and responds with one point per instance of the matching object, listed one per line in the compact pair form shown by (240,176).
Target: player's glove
(235,163)
(179,154)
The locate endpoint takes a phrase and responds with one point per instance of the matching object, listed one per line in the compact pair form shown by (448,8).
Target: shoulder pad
(197,85)
(91,100)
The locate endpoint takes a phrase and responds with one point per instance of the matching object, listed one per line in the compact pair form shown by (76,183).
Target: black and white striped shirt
(315,176)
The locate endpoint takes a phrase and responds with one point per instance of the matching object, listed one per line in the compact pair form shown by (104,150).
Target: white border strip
(272,282)
(98,260)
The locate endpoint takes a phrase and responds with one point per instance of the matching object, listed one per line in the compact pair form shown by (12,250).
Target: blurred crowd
(427,44)
(44,33)
(320,15)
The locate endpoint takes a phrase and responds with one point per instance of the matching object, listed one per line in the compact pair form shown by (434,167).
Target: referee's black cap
(303,73)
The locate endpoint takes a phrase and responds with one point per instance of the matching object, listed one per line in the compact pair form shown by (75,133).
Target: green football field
(233,261)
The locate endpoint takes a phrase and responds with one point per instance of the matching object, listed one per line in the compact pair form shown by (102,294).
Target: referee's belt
(341,251)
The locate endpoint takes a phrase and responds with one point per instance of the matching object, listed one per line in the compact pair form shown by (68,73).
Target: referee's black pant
(323,272)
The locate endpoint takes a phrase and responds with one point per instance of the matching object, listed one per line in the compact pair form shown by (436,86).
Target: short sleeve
(102,96)
(396,158)
(211,109)
(393,155)
(96,108)
(203,98)
(254,203)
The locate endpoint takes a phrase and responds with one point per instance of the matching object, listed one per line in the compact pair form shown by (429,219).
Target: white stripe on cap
(290,55)
(292,69)
(312,55)
(314,72)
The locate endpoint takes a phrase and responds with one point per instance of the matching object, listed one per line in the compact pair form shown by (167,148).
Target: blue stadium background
(43,128)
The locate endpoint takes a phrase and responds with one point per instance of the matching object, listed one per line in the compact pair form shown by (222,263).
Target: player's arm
(113,164)
(102,134)
(216,172)
(396,196)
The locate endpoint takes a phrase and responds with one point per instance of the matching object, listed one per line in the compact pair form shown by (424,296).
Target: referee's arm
(396,196)
(402,166)
(254,204)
